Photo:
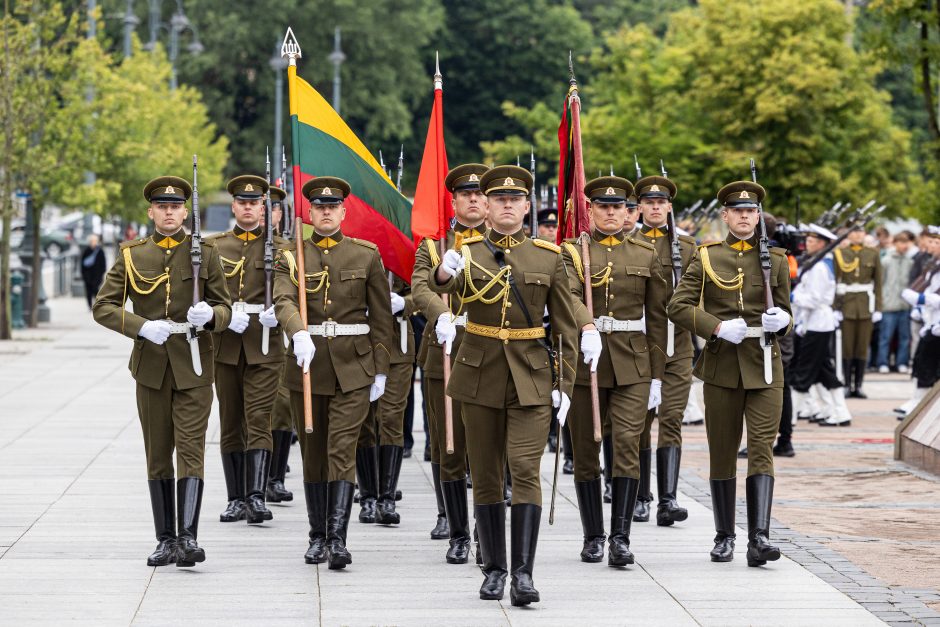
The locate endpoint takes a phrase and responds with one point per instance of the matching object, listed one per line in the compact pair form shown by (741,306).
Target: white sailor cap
(819,231)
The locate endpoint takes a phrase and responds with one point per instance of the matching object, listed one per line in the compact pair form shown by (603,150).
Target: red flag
(431,211)
(573,216)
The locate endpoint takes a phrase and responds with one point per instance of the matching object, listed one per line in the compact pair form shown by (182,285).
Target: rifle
(533,196)
(764,254)
(561,379)
(195,256)
(286,230)
(268,253)
(675,254)
(401,167)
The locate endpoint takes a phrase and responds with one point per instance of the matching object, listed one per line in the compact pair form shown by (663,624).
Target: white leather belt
(246,308)
(606,324)
(332,329)
(754,332)
(181,327)
(461,320)
(858,288)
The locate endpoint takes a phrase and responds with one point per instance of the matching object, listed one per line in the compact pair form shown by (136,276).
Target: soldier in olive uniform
(448,470)
(384,426)
(721,298)
(246,375)
(346,344)
(626,280)
(858,300)
(655,194)
(503,372)
(282,421)
(173,401)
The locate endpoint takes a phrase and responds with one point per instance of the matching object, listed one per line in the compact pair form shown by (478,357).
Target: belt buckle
(503,334)
(239,307)
(606,324)
(329,329)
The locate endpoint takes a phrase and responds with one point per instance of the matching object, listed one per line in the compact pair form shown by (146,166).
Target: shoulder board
(215,236)
(688,239)
(281,242)
(473,240)
(133,242)
(639,242)
(778,251)
(207,241)
(707,244)
(547,245)
(363,242)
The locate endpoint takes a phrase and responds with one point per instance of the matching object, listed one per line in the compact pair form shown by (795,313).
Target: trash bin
(16,299)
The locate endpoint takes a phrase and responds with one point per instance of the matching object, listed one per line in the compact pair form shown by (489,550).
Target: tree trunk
(926,79)
(33,304)
(6,311)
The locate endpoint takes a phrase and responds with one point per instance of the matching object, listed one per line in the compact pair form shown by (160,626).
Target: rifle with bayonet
(675,256)
(268,253)
(286,229)
(763,244)
(195,256)
(401,168)
(533,197)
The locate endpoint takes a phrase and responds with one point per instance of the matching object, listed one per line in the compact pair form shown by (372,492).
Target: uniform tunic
(857,266)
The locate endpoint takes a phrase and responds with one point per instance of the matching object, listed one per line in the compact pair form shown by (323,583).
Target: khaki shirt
(156,274)
(857,265)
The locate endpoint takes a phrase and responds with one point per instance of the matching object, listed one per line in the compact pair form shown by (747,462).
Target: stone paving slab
(75,531)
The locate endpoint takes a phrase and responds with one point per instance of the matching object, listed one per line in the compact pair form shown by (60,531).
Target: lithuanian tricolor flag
(323,145)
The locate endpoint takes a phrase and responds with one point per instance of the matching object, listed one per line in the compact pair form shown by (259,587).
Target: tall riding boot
(340,495)
(162,502)
(859,378)
(441,531)
(525,519)
(723,502)
(189,498)
(847,374)
(389,467)
(455,506)
(592,519)
(760,496)
(567,450)
(233,467)
(642,511)
(276,492)
(624,495)
(315,495)
(667,483)
(607,448)
(491,528)
(256,478)
(367,474)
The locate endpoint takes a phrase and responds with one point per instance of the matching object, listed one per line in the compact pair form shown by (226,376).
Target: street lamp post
(336,58)
(179,23)
(278,64)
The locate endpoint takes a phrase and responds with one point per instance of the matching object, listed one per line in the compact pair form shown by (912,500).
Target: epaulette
(688,239)
(206,241)
(473,240)
(215,236)
(707,244)
(639,242)
(133,242)
(547,245)
(363,242)
(778,251)
(575,258)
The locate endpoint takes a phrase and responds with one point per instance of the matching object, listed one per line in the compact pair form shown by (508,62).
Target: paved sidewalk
(75,529)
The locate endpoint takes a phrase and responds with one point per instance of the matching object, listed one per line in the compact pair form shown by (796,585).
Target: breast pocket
(353,282)
(186,274)
(637,276)
(537,284)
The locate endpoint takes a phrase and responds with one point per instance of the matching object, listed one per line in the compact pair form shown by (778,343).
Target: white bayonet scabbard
(839,372)
(403,333)
(194,352)
(265,339)
(670,338)
(768,362)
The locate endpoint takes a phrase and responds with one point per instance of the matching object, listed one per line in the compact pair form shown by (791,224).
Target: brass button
(329,302)
(326,267)
(740,270)
(653,241)
(505,341)
(609,250)
(326,252)
(503,334)
(538,281)
(507,251)
(509,304)
(612,296)
(168,252)
(610,263)
(463,359)
(610,313)
(244,243)
(740,254)
(506,323)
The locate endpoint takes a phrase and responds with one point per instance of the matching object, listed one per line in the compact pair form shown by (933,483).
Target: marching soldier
(173,402)
(448,470)
(858,299)
(924,294)
(655,194)
(282,421)
(721,299)
(346,343)
(627,280)
(385,424)
(503,372)
(246,379)
(548,225)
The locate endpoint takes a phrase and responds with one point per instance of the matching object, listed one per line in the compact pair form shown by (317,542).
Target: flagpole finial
(438,77)
(571,78)
(291,47)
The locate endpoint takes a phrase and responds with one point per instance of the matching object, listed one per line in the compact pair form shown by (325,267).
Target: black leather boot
(455,506)
(315,495)
(476,540)
(723,502)
(441,531)
(760,496)
(189,498)
(389,468)
(162,502)
(337,522)
(859,378)
(667,483)
(256,479)
(276,492)
(567,450)
(525,519)
(233,467)
(624,490)
(367,474)
(607,448)
(641,512)
(507,488)
(592,519)
(491,529)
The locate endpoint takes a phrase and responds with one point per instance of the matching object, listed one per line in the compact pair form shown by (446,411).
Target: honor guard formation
(583,344)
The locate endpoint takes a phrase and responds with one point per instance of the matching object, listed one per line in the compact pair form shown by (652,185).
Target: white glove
(378,387)
(656,394)
(199,314)
(917,315)
(591,347)
(911,297)
(267,318)
(838,315)
(304,349)
(774,319)
(157,331)
(935,330)
(398,303)
(561,401)
(924,331)
(446,331)
(932,300)
(239,322)
(452,262)
(841,289)
(733,330)
(875,317)
(800,329)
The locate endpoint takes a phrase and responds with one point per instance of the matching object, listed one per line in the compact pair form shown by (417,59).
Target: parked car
(53,242)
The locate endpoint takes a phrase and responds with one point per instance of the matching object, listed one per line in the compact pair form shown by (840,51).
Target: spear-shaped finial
(291,47)
(438,77)
(518,162)
(571,78)
(611,169)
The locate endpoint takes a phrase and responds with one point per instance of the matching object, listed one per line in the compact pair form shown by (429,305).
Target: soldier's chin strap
(500,258)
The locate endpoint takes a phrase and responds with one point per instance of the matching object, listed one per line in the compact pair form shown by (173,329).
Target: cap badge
(474,178)
(609,191)
(326,191)
(508,181)
(744,194)
(552,216)
(654,188)
(169,190)
(249,188)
